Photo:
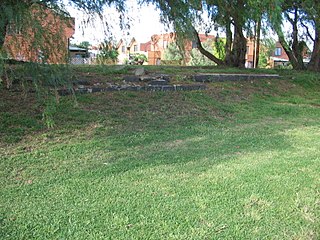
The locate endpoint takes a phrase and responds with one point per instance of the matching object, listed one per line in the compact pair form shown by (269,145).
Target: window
(248,49)
(123,49)
(278,51)
(135,48)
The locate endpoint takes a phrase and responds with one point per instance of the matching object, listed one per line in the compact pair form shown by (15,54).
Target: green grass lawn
(237,161)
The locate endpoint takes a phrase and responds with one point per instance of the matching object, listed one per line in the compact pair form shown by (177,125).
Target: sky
(145,21)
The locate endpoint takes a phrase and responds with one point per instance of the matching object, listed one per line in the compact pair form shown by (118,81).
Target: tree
(231,16)
(238,19)
(312,10)
(291,13)
(173,53)
(13,12)
(267,47)
(108,53)
(83,44)
(303,17)
(198,59)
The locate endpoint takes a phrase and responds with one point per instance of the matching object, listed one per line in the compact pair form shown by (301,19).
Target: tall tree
(12,12)
(231,16)
(312,20)
(292,46)
(304,18)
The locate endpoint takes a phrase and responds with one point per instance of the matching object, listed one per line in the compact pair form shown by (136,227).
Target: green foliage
(171,62)
(267,47)
(219,47)
(84,44)
(108,53)
(172,52)
(214,47)
(137,59)
(184,15)
(50,109)
(43,79)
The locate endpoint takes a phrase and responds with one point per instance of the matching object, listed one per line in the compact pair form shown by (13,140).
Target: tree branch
(204,51)
(307,29)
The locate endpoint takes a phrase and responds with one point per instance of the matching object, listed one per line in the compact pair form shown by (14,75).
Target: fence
(78,61)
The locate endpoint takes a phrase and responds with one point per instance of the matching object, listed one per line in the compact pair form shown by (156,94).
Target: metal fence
(78,61)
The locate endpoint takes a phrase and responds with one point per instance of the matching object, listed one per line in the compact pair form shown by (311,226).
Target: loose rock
(139,72)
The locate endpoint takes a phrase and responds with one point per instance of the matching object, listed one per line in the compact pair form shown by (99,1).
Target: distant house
(78,55)
(125,49)
(77,52)
(155,48)
(280,58)
(250,53)
(43,37)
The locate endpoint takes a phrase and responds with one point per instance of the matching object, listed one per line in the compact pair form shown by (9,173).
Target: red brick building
(42,37)
(280,58)
(155,48)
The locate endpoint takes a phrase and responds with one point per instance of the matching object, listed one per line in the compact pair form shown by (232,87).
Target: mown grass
(238,161)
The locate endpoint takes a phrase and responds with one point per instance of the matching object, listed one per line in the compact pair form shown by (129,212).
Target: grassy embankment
(237,161)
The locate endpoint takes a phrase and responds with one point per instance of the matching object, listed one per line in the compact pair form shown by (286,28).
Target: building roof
(73,48)
(276,59)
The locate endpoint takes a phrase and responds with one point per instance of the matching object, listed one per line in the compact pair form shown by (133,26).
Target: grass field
(240,160)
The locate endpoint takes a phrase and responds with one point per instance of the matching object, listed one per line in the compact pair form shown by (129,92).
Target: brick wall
(43,36)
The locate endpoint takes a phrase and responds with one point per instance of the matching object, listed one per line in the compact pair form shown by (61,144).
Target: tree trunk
(228,46)
(297,51)
(239,47)
(292,58)
(257,47)
(314,63)
(204,51)
(294,53)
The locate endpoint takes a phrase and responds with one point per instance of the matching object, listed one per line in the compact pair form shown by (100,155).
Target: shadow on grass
(118,132)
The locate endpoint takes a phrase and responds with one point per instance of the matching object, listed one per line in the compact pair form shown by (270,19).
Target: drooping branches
(238,19)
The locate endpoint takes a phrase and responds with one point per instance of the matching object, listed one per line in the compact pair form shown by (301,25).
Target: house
(279,57)
(155,48)
(250,53)
(126,49)
(42,37)
(77,52)
(78,55)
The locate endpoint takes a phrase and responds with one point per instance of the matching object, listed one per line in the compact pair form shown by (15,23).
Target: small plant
(137,59)
(108,53)
(49,111)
